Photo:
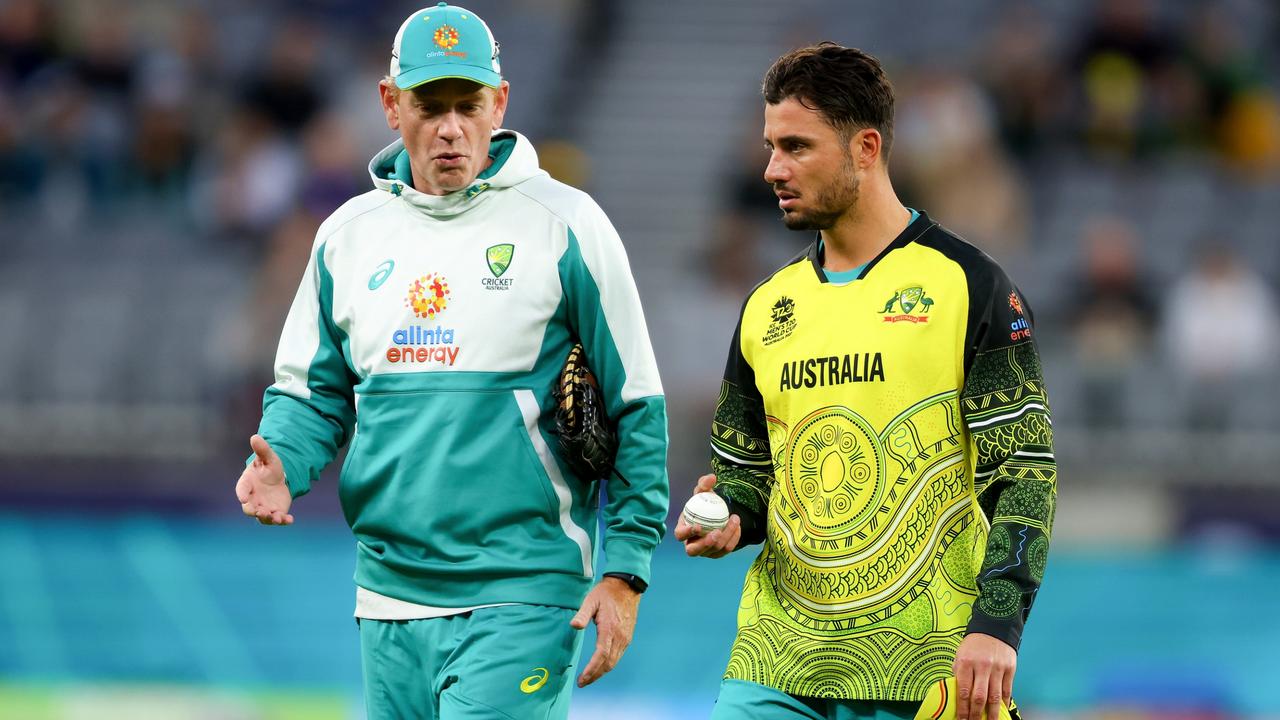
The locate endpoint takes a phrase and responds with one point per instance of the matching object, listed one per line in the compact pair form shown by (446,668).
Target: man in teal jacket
(430,325)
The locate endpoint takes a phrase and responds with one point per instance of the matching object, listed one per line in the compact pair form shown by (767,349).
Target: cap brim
(410,79)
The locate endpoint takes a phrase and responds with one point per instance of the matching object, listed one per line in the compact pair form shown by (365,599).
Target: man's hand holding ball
(705,526)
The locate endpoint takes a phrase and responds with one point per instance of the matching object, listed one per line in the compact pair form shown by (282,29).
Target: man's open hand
(984,670)
(612,604)
(261,489)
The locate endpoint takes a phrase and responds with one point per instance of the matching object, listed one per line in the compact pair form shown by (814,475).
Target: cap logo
(446,37)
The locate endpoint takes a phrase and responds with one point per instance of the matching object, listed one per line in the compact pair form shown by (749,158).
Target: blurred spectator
(27,40)
(749,214)
(1216,50)
(180,74)
(163,150)
(1139,96)
(193,48)
(1249,132)
(1027,85)
(354,97)
(334,171)
(1222,332)
(107,56)
(175,76)
(249,179)
(1243,109)
(28,45)
(952,165)
(285,89)
(105,71)
(1113,318)
(21,166)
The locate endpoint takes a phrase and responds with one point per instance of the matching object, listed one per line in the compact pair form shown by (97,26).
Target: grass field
(142,702)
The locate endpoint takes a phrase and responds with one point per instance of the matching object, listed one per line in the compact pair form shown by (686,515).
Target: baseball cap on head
(444,41)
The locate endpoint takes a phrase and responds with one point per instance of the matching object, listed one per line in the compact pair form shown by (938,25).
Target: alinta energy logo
(908,301)
(1020,329)
(428,297)
(446,37)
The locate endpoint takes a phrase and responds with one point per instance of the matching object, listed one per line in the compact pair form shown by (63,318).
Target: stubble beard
(833,201)
(450,181)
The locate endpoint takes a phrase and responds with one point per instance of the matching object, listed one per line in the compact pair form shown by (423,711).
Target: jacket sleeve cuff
(294,477)
(623,555)
(1007,630)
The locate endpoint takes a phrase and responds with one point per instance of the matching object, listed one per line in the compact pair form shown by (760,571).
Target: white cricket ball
(706,509)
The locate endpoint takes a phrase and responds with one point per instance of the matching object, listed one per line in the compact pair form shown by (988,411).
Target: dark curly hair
(846,86)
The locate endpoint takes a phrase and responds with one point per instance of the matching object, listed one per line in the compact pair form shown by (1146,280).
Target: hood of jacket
(514,161)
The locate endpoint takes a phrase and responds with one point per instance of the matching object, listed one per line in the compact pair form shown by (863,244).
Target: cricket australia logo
(499,259)
(783,321)
(908,301)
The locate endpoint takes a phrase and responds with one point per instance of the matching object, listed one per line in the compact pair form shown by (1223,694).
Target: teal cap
(444,41)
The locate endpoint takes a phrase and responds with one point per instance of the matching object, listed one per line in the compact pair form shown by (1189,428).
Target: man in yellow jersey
(882,429)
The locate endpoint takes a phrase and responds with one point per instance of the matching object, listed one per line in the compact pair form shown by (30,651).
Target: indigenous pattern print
(899,475)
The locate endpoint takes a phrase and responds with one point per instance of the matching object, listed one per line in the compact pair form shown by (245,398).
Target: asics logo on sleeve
(381,274)
(534,682)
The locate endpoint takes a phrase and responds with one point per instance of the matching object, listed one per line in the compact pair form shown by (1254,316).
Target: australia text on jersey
(831,370)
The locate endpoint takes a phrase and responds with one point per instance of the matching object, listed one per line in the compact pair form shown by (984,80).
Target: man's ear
(501,95)
(390,103)
(865,147)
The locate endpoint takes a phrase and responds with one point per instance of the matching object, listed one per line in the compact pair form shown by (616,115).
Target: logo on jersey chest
(381,273)
(783,321)
(908,302)
(428,298)
(499,258)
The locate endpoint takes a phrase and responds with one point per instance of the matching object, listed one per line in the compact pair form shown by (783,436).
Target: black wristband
(632,581)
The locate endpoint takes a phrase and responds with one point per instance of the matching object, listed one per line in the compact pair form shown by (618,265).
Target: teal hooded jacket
(428,332)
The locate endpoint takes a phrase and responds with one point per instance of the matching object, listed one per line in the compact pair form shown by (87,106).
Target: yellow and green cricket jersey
(889,442)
